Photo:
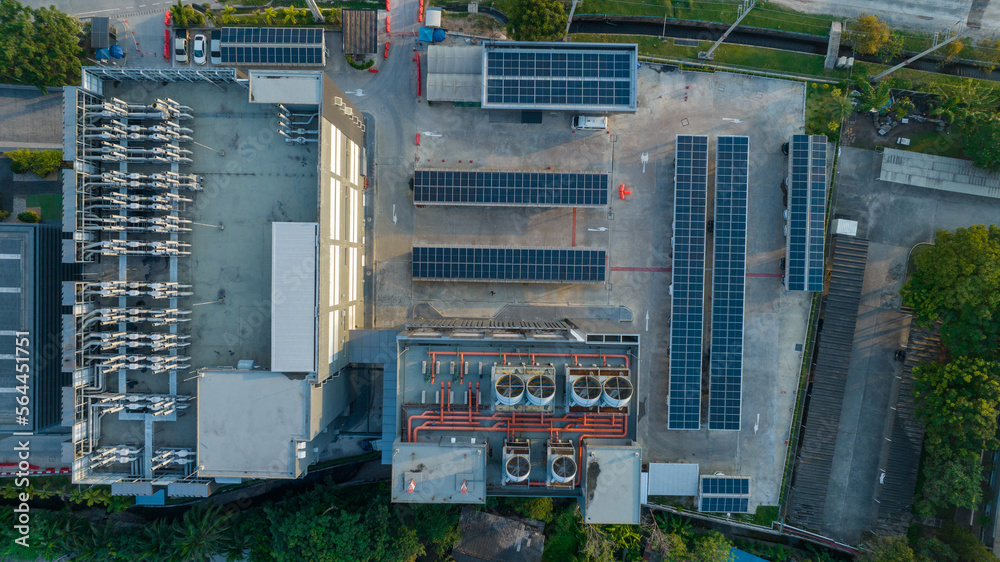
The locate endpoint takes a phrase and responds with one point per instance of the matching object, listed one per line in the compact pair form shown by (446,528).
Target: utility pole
(906,62)
(743,10)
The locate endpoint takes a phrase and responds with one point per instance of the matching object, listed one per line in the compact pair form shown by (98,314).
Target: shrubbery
(39,162)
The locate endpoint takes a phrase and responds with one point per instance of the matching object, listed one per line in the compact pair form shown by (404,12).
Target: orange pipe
(449,396)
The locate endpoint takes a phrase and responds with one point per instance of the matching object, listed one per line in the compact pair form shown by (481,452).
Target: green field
(50,203)
(736,55)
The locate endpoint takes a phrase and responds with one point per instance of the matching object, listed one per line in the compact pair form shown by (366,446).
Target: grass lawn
(51,204)
(767,16)
(736,55)
(933,142)
(909,79)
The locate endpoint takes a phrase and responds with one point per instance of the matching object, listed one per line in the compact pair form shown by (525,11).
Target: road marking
(647,320)
(756,425)
(393,214)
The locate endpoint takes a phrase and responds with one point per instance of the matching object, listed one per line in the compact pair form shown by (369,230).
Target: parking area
(636,231)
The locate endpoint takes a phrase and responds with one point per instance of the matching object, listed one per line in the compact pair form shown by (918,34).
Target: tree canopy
(958,402)
(957,282)
(981,141)
(537,20)
(38,46)
(887,549)
(868,34)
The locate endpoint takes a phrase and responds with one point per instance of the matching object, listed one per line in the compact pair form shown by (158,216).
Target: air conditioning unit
(560,461)
(516,462)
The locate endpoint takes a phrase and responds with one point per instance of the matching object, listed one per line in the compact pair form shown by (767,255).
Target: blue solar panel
(687,300)
(724,505)
(272,46)
(514,265)
(807,212)
(582,77)
(732,168)
(725,485)
(542,189)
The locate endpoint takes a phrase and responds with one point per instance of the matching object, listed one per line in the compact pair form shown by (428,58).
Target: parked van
(590,123)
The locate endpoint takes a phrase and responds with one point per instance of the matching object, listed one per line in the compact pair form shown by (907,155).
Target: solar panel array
(560,77)
(687,301)
(276,46)
(732,169)
(519,265)
(542,189)
(807,212)
(730,485)
(724,494)
(724,505)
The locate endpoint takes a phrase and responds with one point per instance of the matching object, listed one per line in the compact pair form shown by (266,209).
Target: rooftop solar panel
(579,77)
(687,300)
(725,485)
(732,169)
(724,505)
(510,188)
(513,265)
(807,213)
(272,46)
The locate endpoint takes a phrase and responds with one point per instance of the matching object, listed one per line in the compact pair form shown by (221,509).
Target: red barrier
(387,23)
(387,5)
(167,18)
(166,43)
(418,76)
(418,139)
(420,13)
(622,192)
(386,54)
(373,70)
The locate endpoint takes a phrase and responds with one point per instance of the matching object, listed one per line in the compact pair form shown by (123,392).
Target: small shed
(360,31)
(490,537)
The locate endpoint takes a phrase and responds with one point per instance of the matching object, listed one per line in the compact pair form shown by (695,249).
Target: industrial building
(30,270)
(176,395)
(594,77)
(520,409)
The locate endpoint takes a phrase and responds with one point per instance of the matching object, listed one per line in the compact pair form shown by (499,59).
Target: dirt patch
(862,132)
(475,24)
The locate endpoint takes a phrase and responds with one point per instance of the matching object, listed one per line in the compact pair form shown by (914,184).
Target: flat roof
(612,482)
(673,479)
(293,297)
(247,421)
(938,172)
(287,87)
(435,472)
(455,73)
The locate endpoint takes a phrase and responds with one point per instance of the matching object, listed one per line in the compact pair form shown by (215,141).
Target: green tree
(957,282)
(565,536)
(873,97)
(539,509)
(227,15)
(958,402)
(891,48)
(159,540)
(981,142)
(933,549)
(290,15)
(333,16)
(28,216)
(38,47)
(887,549)
(967,547)
(903,107)
(269,14)
(437,527)
(39,162)
(988,53)
(868,34)
(537,20)
(711,547)
(200,535)
(951,50)
(951,476)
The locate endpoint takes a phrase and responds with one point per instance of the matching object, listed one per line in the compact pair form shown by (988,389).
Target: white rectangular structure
(673,479)
(293,296)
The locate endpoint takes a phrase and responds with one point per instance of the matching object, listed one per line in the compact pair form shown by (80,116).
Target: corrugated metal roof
(895,493)
(293,297)
(673,479)
(833,357)
(360,31)
(490,537)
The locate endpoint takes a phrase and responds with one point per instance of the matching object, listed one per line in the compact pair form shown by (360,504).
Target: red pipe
(449,396)
(524,425)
